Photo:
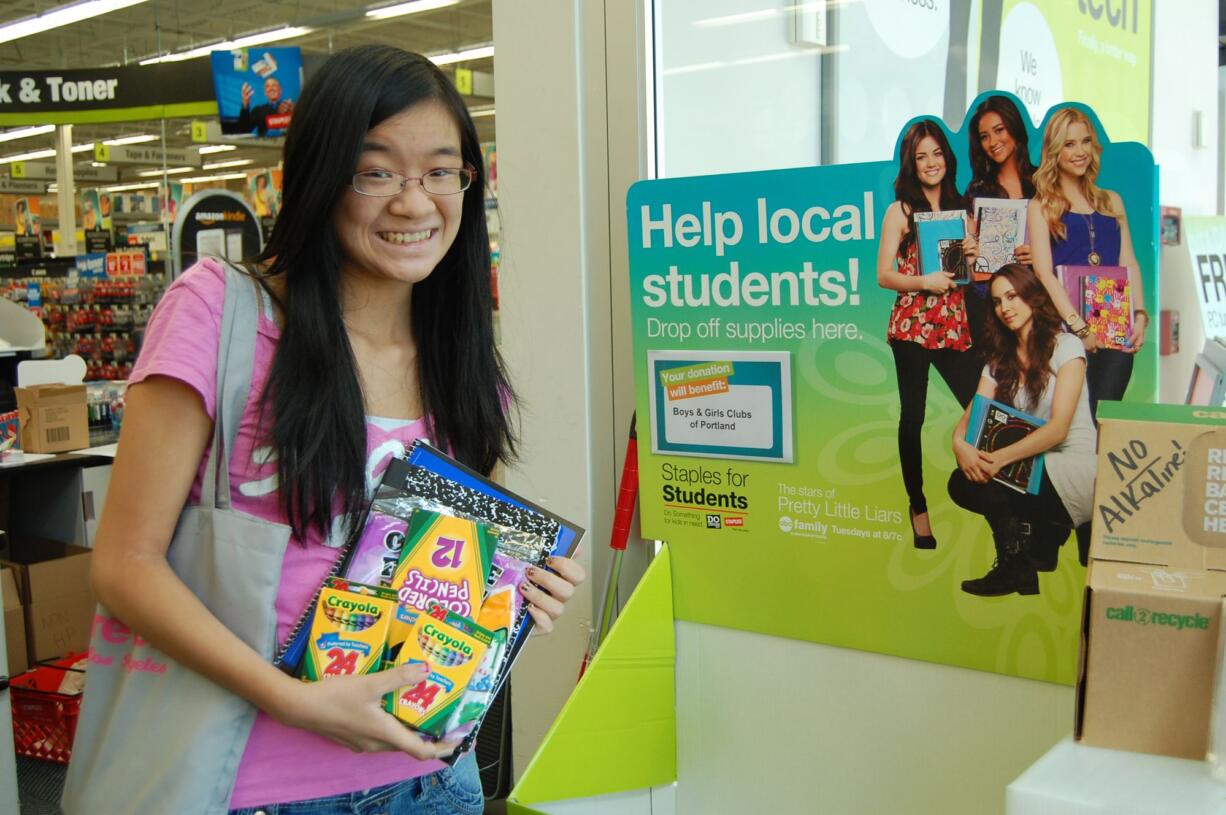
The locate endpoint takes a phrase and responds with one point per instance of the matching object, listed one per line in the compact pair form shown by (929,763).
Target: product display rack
(101,320)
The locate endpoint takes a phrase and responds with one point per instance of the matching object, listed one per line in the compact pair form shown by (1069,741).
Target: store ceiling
(161,26)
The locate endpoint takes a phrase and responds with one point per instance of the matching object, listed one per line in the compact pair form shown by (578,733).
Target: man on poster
(273,115)
(238,78)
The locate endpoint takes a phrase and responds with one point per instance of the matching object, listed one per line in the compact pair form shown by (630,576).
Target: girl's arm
(1069,381)
(967,455)
(165,434)
(1040,260)
(893,228)
(1128,259)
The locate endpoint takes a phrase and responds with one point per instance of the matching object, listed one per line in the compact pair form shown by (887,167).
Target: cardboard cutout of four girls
(869,389)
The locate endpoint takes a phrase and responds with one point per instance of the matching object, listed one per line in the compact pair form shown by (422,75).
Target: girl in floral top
(928,326)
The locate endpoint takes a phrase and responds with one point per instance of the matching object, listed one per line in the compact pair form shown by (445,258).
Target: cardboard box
(14,623)
(53,418)
(1152,613)
(53,581)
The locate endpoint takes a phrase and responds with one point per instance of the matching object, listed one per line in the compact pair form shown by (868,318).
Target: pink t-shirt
(280,763)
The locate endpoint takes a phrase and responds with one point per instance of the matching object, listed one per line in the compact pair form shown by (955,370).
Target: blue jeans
(450,791)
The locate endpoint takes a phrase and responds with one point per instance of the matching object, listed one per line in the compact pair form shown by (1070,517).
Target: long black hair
(907,187)
(984,170)
(313,393)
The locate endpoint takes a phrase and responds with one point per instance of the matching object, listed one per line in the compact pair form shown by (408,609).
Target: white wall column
(66,193)
(555,291)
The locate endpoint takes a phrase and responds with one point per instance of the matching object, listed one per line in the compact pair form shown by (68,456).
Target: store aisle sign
(9,186)
(122,154)
(46,171)
(106,94)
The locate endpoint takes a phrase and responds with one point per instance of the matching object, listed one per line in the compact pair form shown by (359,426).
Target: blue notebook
(994,425)
(940,248)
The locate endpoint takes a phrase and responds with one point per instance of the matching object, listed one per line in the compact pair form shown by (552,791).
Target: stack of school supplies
(436,571)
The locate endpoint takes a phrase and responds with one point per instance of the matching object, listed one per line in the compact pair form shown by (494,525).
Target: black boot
(1083,544)
(1044,548)
(1012,571)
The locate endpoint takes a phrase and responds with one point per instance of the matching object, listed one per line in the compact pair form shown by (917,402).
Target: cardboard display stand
(1157,578)
(618,731)
(769,459)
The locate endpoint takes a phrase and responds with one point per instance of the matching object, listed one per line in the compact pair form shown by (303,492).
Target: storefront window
(784,83)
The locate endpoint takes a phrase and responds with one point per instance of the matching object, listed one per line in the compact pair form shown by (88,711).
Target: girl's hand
(1139,325)
(1090,342)
(1022,253)
(937,282)
(969,463)
(349,711)
(989,463)
(970,249)
(547,591)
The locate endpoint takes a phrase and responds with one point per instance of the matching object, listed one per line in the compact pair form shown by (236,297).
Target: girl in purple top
(1072,221)
(377,331)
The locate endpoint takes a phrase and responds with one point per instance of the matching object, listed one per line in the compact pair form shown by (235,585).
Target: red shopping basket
(44,719)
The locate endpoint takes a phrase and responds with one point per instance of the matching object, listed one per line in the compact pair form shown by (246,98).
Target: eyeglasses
(439,181)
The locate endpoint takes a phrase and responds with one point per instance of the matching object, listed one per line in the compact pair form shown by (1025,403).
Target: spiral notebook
(993,426)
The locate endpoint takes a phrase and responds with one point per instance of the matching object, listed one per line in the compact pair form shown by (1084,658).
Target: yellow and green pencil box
(453,647)
(348,630)
(444,560)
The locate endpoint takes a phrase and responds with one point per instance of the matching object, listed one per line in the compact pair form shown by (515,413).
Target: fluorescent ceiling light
(477,113)
(238,162)
(25,132)
(286,33)
(171,171)
(755,16)
(61,16)
(217,148)
(141,139)
(401,9)
(218,177)
(127,187)
(246,41)
(37,154)
(480,52)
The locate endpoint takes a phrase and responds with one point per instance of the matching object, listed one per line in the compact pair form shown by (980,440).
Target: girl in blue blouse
(1072,221)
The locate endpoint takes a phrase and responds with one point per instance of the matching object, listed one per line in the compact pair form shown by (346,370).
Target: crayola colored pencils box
(348,630)
(444,560)
(453,647)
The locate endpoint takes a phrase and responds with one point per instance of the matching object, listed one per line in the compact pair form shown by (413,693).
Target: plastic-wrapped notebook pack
(453,547)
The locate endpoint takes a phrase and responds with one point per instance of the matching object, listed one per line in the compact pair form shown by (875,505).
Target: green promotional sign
(769,408)
(1094,50)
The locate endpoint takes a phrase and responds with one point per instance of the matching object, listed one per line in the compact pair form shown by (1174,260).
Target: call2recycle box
(1153,603)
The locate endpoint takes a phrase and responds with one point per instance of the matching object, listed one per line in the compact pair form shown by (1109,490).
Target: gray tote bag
(154,736)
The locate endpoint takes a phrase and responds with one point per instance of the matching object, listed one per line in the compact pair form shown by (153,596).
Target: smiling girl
(1035,367)
(1072,221)
(375,331)
(928,327)
(1001,168)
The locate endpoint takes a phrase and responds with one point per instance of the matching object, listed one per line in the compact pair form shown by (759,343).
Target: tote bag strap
(235,363)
